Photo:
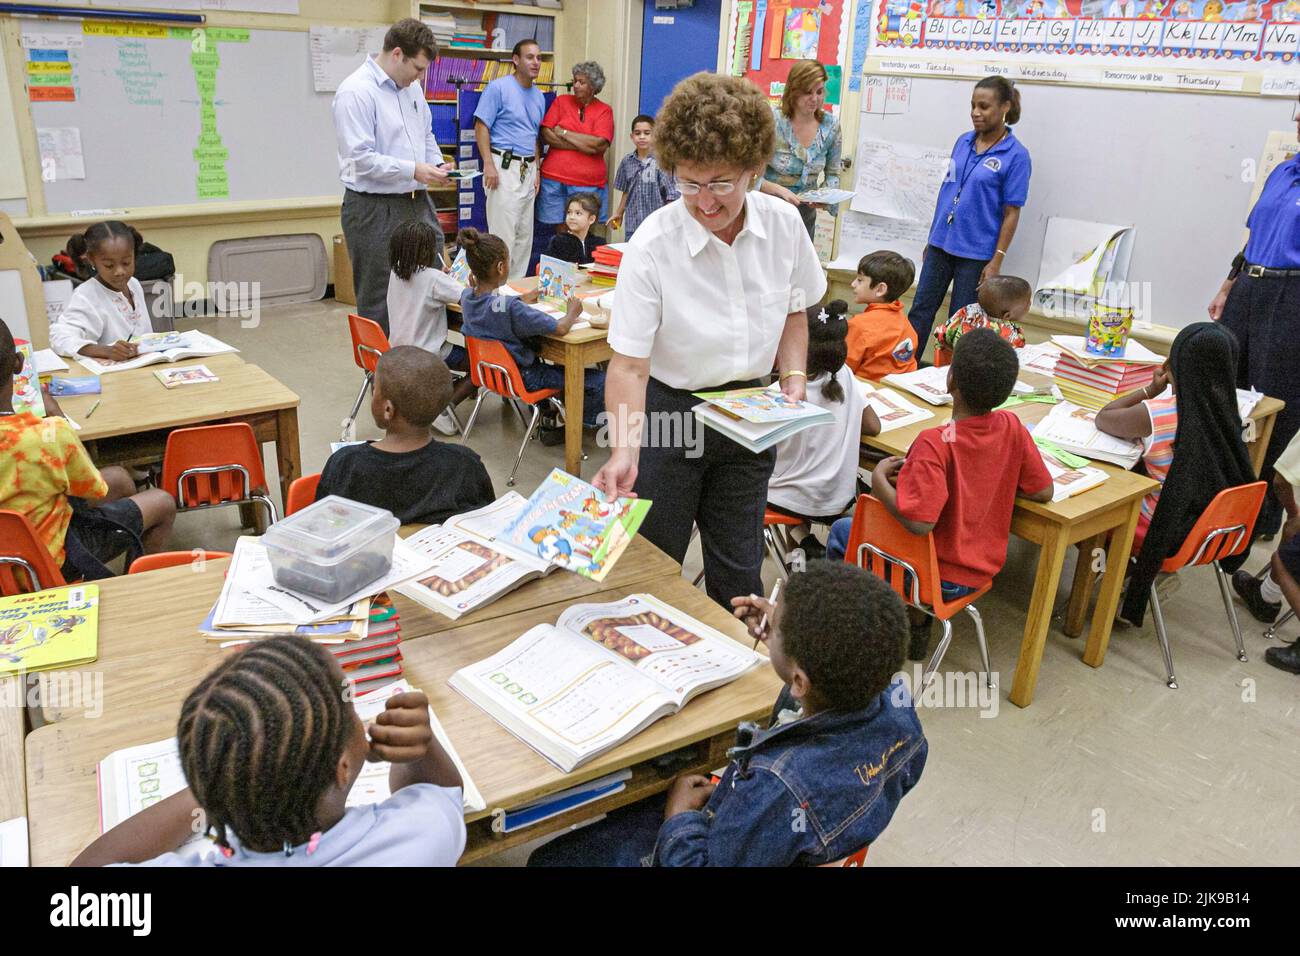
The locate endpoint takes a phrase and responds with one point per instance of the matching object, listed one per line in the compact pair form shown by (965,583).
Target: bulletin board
(767,37)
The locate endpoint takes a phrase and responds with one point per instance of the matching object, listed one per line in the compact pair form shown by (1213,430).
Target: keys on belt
(508,156)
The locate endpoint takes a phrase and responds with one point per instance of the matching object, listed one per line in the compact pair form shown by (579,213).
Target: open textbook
(156,347)
(134,778)
(1069,480)
(600,675)
(928,384)
(472,565)
(1074,429)
(893,410)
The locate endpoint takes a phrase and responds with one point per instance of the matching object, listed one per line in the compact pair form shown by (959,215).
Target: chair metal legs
(528,433)
(1232,611)
(1159,618)
(356,406)
(473,416)
(774,551)
(937,657)
(1272,628)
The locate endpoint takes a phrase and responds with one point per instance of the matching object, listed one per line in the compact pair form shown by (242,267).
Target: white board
(1176,165)
(138,109)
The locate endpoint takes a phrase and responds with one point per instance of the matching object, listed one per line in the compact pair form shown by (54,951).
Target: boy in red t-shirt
(960,480)
(881,341)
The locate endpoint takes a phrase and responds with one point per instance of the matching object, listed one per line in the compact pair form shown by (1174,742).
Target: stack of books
(443,26)
(1094,383)
(757,418)
(604,271)
(362,631)
(469,31)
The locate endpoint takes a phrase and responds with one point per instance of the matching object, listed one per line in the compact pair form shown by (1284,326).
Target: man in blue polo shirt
(506,126)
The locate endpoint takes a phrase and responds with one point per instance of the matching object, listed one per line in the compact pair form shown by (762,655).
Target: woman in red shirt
(578,128)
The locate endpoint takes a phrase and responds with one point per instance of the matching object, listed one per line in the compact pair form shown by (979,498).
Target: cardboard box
(343,289)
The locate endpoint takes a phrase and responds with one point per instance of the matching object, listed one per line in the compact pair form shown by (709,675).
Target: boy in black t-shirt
(415,477)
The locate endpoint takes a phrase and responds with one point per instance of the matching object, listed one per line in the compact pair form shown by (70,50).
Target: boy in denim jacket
(823,779)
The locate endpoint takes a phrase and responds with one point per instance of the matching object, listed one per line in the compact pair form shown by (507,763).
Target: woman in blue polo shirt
(1260,303)
(978,208)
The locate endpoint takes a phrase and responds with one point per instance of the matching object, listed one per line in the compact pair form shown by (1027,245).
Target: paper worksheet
(337,51)
(61,156)
(13,842)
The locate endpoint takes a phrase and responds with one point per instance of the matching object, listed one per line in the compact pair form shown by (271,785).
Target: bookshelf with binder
(466,63)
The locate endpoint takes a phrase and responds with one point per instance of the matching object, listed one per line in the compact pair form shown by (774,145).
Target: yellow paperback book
(49,629)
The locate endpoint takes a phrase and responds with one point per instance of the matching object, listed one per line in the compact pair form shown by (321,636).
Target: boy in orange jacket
(881,341)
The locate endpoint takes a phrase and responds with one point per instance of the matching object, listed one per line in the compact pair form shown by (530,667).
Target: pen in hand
(762,621)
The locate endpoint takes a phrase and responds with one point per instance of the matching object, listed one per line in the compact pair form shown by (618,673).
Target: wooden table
(150,650)
(62,757)
(1111,509)
(575,352)
(136,413)
(1264,416)
(13,790)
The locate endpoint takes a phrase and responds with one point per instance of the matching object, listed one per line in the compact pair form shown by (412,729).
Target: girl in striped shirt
(1149,414)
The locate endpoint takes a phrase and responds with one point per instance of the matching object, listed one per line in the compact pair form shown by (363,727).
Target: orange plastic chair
(857,858)
(172,559)
(1222,530)
(23,553)
(908,563)
(215,465)
(493,369)
(302,492)
(368,343)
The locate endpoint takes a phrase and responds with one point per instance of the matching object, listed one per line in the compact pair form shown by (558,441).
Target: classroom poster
(1208,35)
(767,37)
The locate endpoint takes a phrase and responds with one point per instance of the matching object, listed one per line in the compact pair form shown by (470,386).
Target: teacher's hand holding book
(428,174)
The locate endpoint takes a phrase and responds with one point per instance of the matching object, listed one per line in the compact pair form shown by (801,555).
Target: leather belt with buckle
(1260,272)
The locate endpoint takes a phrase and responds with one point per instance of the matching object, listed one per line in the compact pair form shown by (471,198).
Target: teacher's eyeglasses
(722,187)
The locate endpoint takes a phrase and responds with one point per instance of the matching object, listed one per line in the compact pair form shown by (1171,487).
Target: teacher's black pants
(369,220)
(1264,315)
(707,480)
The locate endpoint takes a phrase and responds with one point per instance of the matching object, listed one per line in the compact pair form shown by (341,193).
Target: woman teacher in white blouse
(712,293)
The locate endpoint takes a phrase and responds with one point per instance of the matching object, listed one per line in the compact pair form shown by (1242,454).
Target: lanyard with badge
(971,162)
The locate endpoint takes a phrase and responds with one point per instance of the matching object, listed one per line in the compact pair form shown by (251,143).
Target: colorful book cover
(160,341)
(460,268)
(27,385)
(761,406)
(75,385)
(187,375)
(556,279)
(48,629)
(569,523)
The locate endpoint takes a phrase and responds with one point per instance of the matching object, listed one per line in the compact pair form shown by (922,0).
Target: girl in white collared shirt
(109,308)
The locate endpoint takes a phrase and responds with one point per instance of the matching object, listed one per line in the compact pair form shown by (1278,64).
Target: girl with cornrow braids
(271,746)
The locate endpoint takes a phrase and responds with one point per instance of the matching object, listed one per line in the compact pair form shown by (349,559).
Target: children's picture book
(27,384)
(1135,353)
(827,196)
(762,405)
(1074,429)
(159,347)
(460,268)
(75,385)
(569,523)
(135,778)
(757,438)
(556,279)
(463,175)
(928,384)
(893,410)
(186,375)
(600,675)
(473,564)
(48,629)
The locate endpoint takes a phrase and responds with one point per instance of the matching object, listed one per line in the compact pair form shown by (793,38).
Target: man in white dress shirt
(387,156)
